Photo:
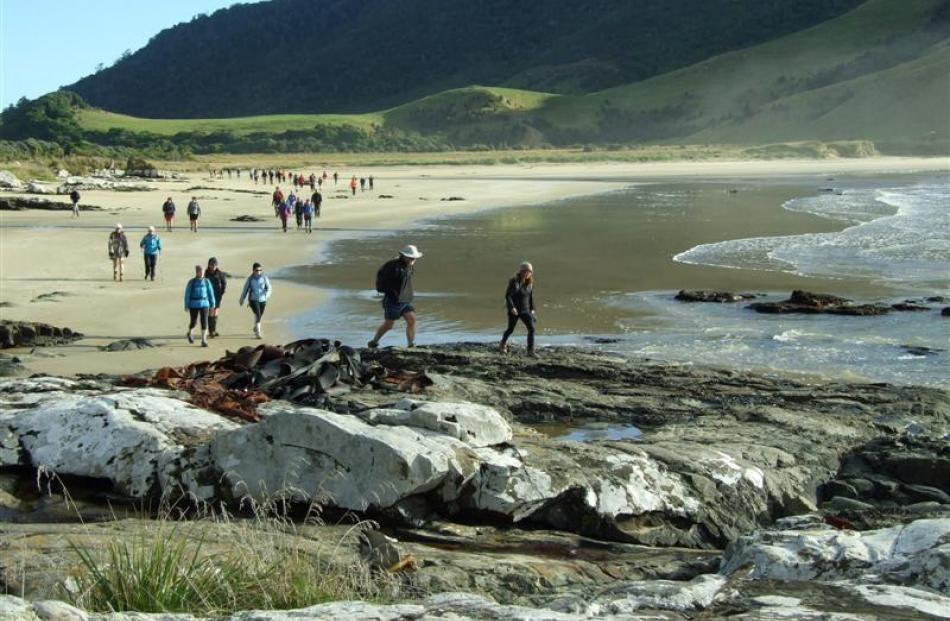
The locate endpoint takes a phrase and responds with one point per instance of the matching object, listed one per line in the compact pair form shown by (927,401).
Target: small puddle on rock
(589,432)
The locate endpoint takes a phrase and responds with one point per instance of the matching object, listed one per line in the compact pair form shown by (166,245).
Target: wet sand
(43,252)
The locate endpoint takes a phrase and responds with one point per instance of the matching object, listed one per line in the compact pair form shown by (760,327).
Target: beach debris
(453,198)
(246,218)
(308,372)
(17,203)
(52,296)
(32,333)
(128,344)
(921,350)
(909,305)
(386,196)
(701,295)
(806,302)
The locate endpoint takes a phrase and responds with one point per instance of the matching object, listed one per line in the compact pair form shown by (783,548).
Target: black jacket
(394,278)
(219,283)
(519,298)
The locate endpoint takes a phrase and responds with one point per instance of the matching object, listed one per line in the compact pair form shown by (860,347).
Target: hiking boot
(373,344)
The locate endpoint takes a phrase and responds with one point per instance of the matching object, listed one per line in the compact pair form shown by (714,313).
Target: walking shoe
(191,339)
(204,343)
(503,347)
(373,344)
(257,331)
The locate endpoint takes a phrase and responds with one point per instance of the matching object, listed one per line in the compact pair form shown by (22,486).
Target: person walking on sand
(353,184)
(151,246)
(257,290)
(276,199)
(298,213)
(199,300)
(168,210)
(394,281)
(362,184)
(317,201)
(283,212)
(194,210)
(74,197)
(118,251)
(219,284)
(519,301)
(335,177)
(307,211)
(371,183)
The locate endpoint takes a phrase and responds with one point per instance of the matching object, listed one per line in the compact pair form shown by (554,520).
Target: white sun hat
(411,252)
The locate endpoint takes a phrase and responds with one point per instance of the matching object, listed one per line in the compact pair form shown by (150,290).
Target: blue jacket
(256,288)
(199,294)
(151,244)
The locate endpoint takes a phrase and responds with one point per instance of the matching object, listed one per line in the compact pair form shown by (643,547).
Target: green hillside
(872,73)
(879,73)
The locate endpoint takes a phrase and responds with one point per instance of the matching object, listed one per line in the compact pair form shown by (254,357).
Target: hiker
(519,300)
(353,185)
(362,184)
(319,182)
(194,210)
(118,251)
(313,182)
(283,212)
(394,281)
(74,197)
(257,290)
(219,284)
(298,213)
(199,299)
(276,199)
(317,201)
(335,177)
(371,183)
(151,246)
(168,210)
(307,211)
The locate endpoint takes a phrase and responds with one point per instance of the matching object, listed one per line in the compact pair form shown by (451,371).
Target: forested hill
(294,56)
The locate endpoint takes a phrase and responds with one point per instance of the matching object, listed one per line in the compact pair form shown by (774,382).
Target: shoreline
(96,306)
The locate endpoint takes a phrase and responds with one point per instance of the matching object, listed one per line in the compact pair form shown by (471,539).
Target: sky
(45,44)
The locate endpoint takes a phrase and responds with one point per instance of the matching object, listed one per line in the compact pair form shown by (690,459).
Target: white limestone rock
(916,553)
(518,481)
(9,181)
(697,594)
(125,437)
(476,425)
(312,454)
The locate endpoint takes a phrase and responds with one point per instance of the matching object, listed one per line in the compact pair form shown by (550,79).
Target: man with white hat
(394,281)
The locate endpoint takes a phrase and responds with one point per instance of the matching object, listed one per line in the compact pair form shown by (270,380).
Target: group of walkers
(303,209)
(193,210)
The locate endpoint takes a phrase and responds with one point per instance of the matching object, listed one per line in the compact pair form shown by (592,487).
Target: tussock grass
(267,563)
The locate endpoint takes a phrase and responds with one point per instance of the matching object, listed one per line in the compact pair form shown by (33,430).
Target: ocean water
(608,267)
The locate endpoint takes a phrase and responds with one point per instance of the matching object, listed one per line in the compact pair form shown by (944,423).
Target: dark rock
(712,296)
(908,306)
(16,203)
(838,488)
(11,366)
(921,350)
(385,196)
(945,312)
(805,302)
(925,493)
(935,299)
(840,503)
(453,198)
(30,334)
(128,344)
(52,296)
(246,218)
(601,340)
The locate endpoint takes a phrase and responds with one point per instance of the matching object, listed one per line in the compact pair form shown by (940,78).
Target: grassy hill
(331,56)
(880,73)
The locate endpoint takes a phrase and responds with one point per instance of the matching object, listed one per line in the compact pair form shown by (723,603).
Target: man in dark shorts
(394,281)
(74,197)
(194,211)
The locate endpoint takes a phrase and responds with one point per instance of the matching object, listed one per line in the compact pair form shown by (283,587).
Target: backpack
(386,277)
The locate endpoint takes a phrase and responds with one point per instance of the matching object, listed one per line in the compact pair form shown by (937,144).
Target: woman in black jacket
(219,283)
(519,300)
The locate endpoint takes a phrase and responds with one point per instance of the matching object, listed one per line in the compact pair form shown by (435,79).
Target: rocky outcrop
(31,334)
(805,302)
(9,181)
(914,554)
(720,297)
(18,203)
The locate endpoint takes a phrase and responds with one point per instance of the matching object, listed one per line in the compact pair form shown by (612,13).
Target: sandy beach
(45,252)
